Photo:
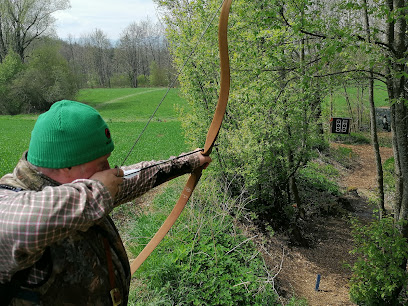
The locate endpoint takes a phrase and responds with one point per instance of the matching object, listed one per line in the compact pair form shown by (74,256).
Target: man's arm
(32,220)
(154,173)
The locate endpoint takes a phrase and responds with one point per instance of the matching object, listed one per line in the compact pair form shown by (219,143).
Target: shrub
(378,271)
(389,174)
(352,138)
(205,260)
(142,81)
(9,70)
(120,80)
(319,177)
(157,75)
(46,78)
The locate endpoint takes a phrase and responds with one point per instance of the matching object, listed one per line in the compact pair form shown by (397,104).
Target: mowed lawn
(340,106)
(126,110)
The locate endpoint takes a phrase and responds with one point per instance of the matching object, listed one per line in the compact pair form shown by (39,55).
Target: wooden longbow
(209,143)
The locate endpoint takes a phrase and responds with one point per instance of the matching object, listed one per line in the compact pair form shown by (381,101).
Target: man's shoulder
(8,182)
(9,187)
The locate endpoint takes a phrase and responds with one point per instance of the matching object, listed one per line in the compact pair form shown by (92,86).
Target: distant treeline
(37,68)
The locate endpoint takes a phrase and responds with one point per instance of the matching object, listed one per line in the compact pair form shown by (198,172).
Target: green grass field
(340,108)
(126,111)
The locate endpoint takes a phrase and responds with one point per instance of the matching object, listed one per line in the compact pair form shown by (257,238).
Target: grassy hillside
(340,107)
(126,112)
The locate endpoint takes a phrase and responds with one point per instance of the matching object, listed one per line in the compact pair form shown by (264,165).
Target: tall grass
(204,260)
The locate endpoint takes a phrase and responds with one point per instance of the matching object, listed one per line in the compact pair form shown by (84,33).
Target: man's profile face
(85,171)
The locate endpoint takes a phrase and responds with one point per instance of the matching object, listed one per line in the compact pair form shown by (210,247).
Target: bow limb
(209,143)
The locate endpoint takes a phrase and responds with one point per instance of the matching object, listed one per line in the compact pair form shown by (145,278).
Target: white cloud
(111,16)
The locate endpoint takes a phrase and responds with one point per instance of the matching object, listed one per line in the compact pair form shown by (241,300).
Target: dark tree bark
(374,136)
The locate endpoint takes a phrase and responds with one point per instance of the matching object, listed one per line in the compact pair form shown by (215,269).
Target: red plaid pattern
(45,213)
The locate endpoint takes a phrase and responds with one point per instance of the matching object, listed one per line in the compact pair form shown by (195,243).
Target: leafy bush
(209,270)
(319,177)
(142,81)
(44,79)
(9,70)
(120,80)
(378,271)
(205,260)
(352,138)
(389,174)
(157,76)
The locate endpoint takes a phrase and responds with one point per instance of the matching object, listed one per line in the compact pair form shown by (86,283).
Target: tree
(374,137)
(46,78)
(22,22)
(157,75)
(10,69)
(286,55)
(100,54)
(129,52)
(271,127)
(141,44)
(383,39)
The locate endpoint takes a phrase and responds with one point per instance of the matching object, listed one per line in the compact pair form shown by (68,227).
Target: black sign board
(340,125)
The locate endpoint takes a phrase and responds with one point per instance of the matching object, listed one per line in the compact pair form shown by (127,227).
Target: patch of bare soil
(330,251)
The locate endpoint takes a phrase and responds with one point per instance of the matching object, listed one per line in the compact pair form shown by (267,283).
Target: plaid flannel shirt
(45,212)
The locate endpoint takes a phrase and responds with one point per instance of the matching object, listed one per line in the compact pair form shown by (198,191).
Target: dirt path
(331,252)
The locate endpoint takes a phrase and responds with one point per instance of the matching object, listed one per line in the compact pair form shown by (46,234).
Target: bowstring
(172,83)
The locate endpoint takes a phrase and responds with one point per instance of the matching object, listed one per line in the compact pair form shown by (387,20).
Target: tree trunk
(396,39)
(374,136)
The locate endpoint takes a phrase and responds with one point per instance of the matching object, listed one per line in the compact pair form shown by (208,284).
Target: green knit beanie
(68,134)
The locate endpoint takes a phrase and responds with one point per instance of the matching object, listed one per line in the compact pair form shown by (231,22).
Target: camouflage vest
(77,266)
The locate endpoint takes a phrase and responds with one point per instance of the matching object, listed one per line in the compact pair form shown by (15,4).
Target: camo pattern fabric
(77,271)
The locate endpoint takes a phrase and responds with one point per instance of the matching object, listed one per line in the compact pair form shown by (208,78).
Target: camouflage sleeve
(154,173)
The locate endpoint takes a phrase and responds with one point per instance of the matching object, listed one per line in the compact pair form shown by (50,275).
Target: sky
(110,16)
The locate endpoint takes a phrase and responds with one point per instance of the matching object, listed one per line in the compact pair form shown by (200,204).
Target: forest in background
(37,68)
(287,58)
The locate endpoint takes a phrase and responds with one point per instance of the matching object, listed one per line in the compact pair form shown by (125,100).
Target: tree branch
(323,36)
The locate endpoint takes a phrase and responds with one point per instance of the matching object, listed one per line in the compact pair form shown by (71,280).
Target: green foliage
(319,177)
(142,81)
(380,268)
(157,76)
(45,79)
(204,260)
(119,81)
(352,138)
(273,118)
(389,175)
(9,68)
(9,71)
(297,302)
